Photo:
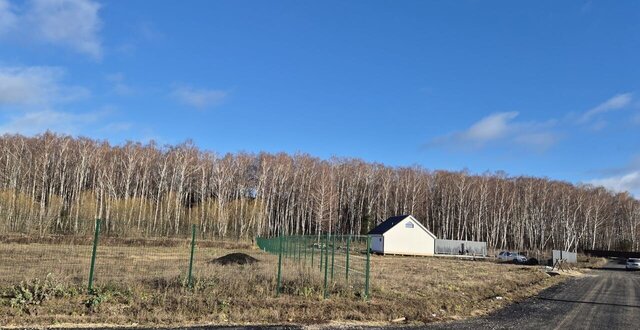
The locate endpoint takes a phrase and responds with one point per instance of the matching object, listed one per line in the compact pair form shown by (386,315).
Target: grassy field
(45,284)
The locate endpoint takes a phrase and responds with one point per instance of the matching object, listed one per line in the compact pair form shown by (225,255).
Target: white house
(402,235)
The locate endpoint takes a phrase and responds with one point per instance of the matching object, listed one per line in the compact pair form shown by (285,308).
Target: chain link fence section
(341,263)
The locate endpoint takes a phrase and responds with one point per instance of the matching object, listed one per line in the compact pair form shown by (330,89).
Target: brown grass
(121,241)
(585,261)
(145,285)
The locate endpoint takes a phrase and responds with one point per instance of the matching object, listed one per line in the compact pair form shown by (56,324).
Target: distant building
(402,235)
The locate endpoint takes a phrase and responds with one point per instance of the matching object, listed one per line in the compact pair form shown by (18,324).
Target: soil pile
(235,259)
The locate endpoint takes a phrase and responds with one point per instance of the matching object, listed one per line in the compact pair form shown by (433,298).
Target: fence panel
(341,261)
(570,257)
(65,261)
(150,261)
(461,247)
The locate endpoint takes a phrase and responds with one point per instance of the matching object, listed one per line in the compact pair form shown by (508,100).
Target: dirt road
(603,299)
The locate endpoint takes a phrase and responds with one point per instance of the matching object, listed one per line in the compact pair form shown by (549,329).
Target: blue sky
(531,88)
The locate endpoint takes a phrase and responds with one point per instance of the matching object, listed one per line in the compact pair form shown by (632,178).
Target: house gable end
(409,219)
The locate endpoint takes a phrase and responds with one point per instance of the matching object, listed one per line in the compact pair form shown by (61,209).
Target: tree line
(57,184)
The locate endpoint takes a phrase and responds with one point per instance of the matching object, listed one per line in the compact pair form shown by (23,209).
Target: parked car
(512,256)
(632,264)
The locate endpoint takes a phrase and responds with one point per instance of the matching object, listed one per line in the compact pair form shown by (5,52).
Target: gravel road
(603,299)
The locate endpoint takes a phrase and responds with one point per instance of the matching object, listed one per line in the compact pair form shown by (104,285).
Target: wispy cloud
(617,102)
(490,128)
(69,23)
(30,96)
(620,179)
(620,183)
(8,18)
(199,98)
(501,128)
(31,123)
(41,86)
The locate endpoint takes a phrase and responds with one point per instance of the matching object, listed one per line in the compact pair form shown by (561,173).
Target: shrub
(29,294)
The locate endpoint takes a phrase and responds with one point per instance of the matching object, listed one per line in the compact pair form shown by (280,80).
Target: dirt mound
(234,259)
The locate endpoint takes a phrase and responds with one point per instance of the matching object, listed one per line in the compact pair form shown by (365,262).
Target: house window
(408,225)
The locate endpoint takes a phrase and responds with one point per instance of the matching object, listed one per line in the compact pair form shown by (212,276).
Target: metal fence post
(326,264)
(313,249)
(333,254)
(347,263)
(366,283)
(279,268)
(193,248)
(299,248)
(321,252)
(93,254)
(304,241)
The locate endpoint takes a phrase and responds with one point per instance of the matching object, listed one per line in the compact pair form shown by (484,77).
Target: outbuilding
(402,234)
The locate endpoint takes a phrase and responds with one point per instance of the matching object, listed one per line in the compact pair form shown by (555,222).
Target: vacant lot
(146,285)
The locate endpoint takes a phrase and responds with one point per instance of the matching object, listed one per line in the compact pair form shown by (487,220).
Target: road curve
(603,299)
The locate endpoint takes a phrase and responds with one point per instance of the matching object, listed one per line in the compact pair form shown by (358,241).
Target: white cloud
(74,23)
(619,183)
(617,102)
(32,123)
(199,98)
(490,128)
(36,86)
(69,23)
(8,18)
(29,97)
(501,128)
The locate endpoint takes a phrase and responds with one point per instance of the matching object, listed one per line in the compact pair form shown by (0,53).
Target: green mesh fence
(311,265)
(102,260)
(65,261)
(340,262)
(138,261)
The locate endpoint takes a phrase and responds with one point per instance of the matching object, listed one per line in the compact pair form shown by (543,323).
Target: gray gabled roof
(387,224)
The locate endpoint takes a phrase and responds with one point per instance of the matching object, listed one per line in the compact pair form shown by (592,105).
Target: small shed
(402,234)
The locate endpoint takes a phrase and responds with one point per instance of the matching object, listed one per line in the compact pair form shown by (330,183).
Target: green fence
(143,260)
(102,260)
(319,265)
(342,261)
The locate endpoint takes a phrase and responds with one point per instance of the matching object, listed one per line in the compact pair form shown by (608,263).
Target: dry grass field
(45,284)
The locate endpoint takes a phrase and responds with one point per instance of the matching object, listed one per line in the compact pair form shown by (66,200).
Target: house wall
(377,244)
(411,241)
